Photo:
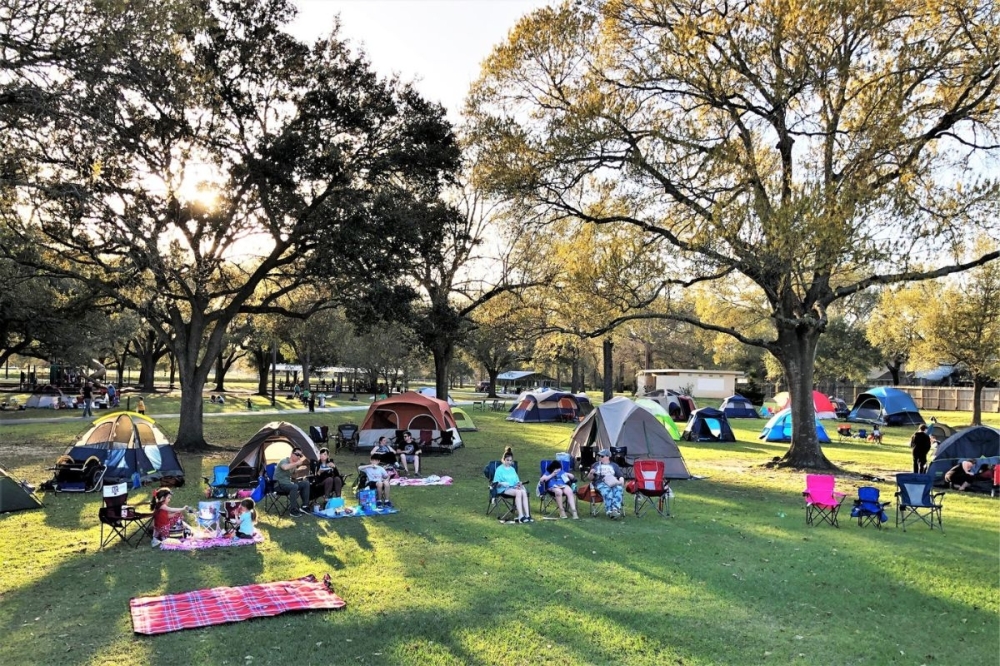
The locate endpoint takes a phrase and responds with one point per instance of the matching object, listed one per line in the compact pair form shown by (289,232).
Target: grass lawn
(735,577)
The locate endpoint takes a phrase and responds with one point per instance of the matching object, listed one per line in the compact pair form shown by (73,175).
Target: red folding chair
(649,485)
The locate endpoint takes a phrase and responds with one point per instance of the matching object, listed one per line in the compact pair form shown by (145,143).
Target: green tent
(657,410)
(463,420)
(14,497)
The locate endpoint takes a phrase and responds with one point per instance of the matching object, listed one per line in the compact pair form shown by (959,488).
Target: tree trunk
(894,371)
(220,373)
(442,354)
(796,353)
(978,382)
(173,371)
(493,373)
(262,360)
(575,380)
(609,369)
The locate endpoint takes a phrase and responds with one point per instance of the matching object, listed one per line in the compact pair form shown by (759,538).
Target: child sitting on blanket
(167,519)
(247,515)
(378,480)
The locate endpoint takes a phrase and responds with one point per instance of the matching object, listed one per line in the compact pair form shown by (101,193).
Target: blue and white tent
(779,429)
(886,405)
(738,407)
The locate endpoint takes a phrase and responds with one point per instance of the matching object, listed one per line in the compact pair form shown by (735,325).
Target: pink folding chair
(822,501)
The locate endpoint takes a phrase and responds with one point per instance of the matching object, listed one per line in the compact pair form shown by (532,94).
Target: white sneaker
(155,542)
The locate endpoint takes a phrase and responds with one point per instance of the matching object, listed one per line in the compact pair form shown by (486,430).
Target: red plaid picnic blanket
(219,605)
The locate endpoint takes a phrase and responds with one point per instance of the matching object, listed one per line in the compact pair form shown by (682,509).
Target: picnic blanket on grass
(426,481)
(214,542)
(219,605)
(354,513)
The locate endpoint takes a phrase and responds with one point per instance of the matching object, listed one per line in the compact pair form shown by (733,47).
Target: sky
(438,44)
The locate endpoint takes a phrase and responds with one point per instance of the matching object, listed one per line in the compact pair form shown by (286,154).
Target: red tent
(824,408)
(406,411)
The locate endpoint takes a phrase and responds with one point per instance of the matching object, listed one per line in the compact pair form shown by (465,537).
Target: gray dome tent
(272,443)
(619,422)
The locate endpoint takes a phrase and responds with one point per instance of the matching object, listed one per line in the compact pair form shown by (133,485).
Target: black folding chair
(121,520)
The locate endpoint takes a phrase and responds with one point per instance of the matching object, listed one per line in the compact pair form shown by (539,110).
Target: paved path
(256,412)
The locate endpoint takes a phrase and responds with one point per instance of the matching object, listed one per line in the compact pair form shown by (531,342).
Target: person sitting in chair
(961,475)
(510,485)
(378,480)
(409,451)
(558,483)
(383,452)
(326,480)
(876,435)
(609,481)
(286,479)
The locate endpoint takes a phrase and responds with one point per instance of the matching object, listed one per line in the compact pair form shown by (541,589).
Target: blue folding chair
(914,500)
(868,509)
(220,477)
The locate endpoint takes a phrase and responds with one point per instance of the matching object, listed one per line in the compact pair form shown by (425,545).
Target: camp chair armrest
(934,496)
(840,495)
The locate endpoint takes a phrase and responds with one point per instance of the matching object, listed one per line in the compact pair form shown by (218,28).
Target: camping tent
(821,403)
(272,443)
(657,410)
(541,406)
(431,392)
(623,423)
(14,496)
(407,411)
(889,406)
(966,444)
(940,431)
(462,420)
(738,407)
(708,425)
(127,442)
(678,406)
(50,397)
(779,429)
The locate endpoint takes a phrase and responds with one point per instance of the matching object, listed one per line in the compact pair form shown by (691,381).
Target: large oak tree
(815,148)
(309,164)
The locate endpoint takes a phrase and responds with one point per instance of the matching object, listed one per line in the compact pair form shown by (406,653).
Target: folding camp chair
(320,435)
(589,493)
(275,500)
(210,517)
(347,437)
(914,499)
(121,520)
(648,485)
(619,456)
(217,484)
(587,459)
(868,509)
(546,497)
(862,434)
(229,516)
(498,499)
(822,501)
(844,432)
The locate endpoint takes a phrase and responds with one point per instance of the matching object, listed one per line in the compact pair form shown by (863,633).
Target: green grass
(735,577)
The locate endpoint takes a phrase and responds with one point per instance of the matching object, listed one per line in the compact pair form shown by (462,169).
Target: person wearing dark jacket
(920,446)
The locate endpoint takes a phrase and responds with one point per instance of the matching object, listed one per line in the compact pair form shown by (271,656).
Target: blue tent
(885,405)
(708,425)
(738,407)
(548,405)
(779,429)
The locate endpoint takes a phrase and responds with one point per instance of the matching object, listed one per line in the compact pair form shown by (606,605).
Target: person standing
(140,406)
(88,400)
(920,446)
